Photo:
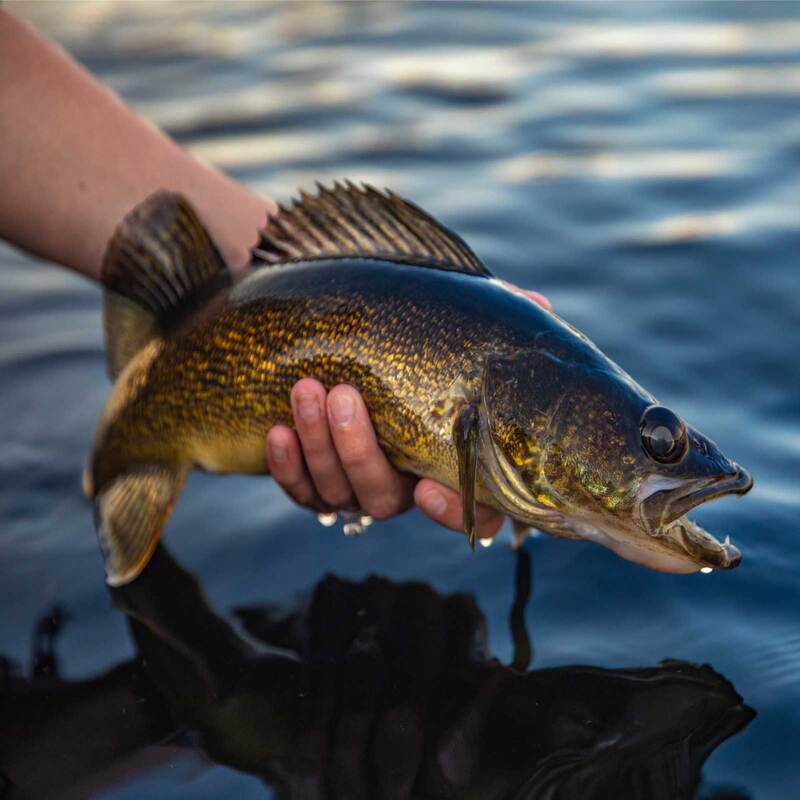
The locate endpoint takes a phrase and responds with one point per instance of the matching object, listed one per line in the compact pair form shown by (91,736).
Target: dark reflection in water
(371,689)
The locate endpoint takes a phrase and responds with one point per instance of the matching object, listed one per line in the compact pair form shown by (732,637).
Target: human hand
(376,722)
(109,159)
(332,460)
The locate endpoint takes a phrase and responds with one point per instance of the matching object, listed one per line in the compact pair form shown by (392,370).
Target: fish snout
(738,479)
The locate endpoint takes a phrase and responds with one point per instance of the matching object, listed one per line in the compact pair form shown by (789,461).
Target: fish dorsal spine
(159,268)
(354,222)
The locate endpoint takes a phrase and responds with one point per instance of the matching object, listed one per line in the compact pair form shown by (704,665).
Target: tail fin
(160,266)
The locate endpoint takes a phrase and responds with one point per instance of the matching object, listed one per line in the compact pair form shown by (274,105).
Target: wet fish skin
(405,337)
(466,381)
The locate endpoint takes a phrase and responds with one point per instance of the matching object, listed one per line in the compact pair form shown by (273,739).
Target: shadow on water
(369,689)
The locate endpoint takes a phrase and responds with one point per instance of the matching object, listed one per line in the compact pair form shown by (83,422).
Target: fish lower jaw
(632,546)
(699,545)
(681,547)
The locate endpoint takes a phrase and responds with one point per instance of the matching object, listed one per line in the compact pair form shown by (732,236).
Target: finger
(311,422)
(537,298)
(443,505)
(381,490)
(286,465)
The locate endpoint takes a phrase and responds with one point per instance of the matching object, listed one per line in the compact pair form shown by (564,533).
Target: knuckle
(381,506)
(337,498)
(299,491)
(314,448)
(286,481)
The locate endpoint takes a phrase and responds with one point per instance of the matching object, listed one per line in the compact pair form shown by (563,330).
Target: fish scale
(465,380)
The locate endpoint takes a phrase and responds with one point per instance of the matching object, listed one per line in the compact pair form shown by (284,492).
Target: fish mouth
(663,515)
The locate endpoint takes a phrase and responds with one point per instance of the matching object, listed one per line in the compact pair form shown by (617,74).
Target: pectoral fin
(130,513)
(465,437)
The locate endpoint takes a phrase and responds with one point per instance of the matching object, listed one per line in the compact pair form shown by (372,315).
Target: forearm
(74,159)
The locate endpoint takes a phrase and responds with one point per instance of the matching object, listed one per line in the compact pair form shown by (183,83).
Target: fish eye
(663,435)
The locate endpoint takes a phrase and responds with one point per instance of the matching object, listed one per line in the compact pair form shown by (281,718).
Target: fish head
(583,451)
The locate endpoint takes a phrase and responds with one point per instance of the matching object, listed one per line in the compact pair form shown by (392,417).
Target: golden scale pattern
(230,378)
(212,391)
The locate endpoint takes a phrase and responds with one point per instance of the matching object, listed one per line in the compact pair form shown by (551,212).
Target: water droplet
(326,520)
(706,570)
(486,542)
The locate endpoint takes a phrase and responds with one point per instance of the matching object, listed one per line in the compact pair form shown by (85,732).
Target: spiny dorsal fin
(160,266)
(352,222)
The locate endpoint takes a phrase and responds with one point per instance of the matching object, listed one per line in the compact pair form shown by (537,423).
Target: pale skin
(75,159)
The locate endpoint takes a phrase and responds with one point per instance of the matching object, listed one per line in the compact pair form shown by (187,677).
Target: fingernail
(278,453)
(434,503)
(308,408)
(542,300)
(343,409)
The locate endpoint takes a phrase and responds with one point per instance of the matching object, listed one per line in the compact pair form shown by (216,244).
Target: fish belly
(223,454)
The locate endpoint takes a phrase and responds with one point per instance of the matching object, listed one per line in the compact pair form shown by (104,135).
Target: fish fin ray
(128,328)
(160,266)
(465,436)
(130,513)
(361,222)
(521,531)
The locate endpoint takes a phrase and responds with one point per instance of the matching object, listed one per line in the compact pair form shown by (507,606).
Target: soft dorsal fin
(352,222)
(160,266)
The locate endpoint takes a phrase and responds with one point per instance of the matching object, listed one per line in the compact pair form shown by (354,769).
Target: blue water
(638,163)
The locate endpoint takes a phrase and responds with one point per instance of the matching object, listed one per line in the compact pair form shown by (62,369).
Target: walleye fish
(466,381)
